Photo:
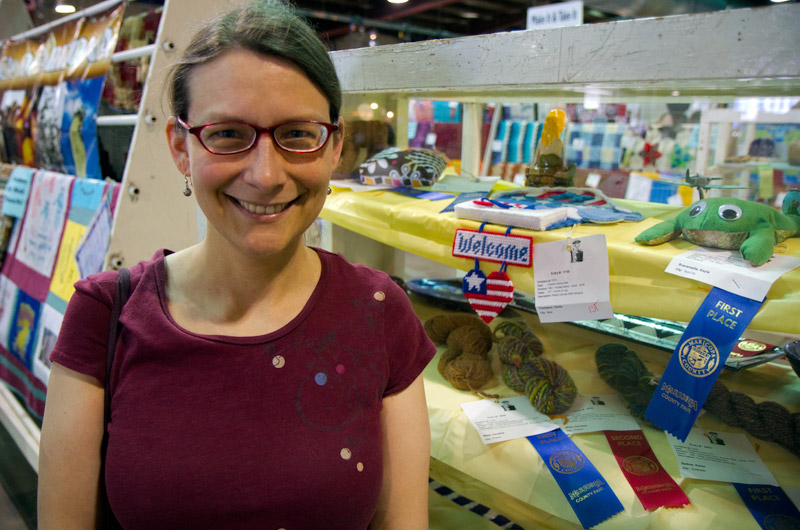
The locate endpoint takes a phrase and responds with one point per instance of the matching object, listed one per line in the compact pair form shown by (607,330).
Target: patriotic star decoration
(650,154)
(474,282)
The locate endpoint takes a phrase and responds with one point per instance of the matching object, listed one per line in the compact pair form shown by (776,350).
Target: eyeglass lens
(232,137)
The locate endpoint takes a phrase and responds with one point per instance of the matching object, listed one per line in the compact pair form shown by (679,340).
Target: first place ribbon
(770,506)
(698,360)
(588,493)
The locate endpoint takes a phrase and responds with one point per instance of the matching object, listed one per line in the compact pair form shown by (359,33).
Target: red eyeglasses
(232,137)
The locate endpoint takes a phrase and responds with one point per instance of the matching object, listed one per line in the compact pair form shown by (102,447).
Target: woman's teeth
(259,209)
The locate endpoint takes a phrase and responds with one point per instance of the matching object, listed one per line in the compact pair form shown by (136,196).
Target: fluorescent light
(397,1)
(389,114)
(773,1)
(65,8)
(373,106)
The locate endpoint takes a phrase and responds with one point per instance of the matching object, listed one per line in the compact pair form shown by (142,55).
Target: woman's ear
(177,140)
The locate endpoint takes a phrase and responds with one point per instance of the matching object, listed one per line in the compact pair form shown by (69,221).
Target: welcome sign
(491,246)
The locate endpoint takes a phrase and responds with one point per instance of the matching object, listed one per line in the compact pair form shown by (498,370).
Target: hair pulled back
(268,27)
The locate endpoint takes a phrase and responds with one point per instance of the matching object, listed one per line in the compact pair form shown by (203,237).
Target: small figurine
(702,183)
(725,222)
(548,169)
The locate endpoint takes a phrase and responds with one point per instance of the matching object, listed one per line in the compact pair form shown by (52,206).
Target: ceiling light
(397,1)
(64,8)
(389,114)
(469,14)
(773,1)
(373,106)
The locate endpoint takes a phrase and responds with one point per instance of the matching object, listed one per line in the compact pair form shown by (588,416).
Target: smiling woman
(242,394)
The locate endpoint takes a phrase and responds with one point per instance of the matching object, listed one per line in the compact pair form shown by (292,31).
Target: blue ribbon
(698,360)
(588,493)
(770,506)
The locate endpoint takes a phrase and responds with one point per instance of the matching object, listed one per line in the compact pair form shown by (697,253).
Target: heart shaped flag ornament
(488,296)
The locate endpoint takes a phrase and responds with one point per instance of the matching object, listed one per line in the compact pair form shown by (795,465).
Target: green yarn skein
(622,369)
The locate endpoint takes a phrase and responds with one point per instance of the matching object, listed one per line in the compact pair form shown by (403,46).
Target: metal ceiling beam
(409,10)
(371,23)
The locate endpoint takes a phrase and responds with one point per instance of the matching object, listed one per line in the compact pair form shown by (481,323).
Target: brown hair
(267,27)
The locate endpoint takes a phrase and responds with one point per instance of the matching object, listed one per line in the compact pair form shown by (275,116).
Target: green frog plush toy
(725,222)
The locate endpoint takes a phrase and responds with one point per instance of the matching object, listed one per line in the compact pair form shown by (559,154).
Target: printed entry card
(727,270)
(721,456)
(571,279)
(506,419)
(596,413)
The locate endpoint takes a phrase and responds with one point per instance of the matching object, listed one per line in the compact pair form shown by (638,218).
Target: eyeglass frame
(198,129)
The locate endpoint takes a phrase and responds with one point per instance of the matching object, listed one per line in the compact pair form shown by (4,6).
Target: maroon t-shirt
(276,431)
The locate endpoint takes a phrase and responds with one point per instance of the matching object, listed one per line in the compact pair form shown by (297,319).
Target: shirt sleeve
(408,347)
(82,342)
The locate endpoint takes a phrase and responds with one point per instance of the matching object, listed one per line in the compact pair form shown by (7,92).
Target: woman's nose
(268,163)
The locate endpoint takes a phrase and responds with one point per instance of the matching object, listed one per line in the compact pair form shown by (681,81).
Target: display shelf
(516,480)
(720,55)
(638,283)
(710,57)
(752,166)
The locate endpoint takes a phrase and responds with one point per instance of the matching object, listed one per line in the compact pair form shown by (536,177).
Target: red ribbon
(653,486)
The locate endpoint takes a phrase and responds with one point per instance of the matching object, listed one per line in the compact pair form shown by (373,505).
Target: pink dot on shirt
(340,369)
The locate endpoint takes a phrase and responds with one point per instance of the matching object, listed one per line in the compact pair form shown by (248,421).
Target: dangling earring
(187,191)
(329,190)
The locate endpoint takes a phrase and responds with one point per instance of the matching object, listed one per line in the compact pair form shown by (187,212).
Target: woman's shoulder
(102,284)
(354,275)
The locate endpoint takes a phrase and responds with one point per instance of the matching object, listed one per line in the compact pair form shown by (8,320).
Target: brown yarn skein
(439,327)
(766,420)
(465,363)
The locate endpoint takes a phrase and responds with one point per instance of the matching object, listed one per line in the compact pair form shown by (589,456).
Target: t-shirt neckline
(161,282)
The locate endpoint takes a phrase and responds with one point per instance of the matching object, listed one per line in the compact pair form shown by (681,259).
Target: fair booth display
(393,227)
(583,378)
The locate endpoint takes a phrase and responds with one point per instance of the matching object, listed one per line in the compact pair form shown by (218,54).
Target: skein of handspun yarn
(622,369)
(465,363)
(547,384)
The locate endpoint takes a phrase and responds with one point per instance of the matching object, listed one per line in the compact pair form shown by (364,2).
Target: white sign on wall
(556,15)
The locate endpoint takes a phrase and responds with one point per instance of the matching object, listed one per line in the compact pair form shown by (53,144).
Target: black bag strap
(120,297)
(121,293)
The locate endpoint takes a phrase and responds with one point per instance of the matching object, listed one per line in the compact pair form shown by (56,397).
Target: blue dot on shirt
(321,378)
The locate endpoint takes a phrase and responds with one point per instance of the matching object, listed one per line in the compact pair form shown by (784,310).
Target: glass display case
(646,100)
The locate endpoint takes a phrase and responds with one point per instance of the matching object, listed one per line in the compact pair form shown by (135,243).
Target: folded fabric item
(482,210)
(546,208)
(403,167)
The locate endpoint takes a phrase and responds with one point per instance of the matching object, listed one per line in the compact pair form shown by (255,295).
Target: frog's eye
(697,209)
(729,212)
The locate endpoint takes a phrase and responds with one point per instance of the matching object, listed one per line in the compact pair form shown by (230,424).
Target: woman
(257,382)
